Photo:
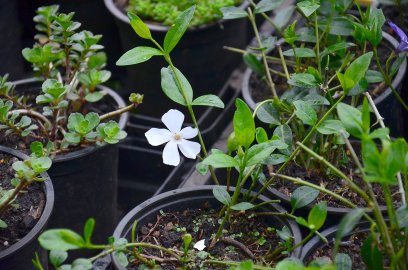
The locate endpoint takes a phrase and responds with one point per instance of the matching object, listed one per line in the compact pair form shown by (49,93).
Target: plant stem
(272,59)
(117,112)
(13,195)
(285,68)
(317,43)
(232,263)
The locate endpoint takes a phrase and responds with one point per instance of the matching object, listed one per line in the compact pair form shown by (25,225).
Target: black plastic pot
(211,121)
(330,233)
(18,256)
(189,198)
(85,180)
(200,57)
(387,104)
(10,49)
(142,173)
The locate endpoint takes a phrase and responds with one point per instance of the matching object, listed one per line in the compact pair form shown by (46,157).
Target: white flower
(200,245)
(174,136)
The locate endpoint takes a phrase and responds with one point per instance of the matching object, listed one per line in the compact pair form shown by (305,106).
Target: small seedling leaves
(267,5)
(300,53)
(139,26)
(61,239)
(347,224)
(88,229)
(58,257)
(343,261)
(230,13)
(171,87)
(220,160)
(268,114)
(305,112)
(137,55)
(244,125)
(209,100)
(303,196)
(41,164)
(242,206)
(308,7)
(317,216)
(121,258)
(371,255)
(253,63)
(221,194)
(178,29)
(351,119)
(81,264)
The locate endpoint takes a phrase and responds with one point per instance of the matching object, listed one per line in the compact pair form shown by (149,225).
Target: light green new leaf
(220,160)
(244,125)
(137,55)
(178,29)
(139,26)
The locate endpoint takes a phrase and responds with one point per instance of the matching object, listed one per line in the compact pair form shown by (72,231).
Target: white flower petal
(189,132)
(189,149)
(200,245)
(173,119)
(171,154)
(158,136)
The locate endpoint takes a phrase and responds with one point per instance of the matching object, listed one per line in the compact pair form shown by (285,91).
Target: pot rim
(203,191)
(247,90)
(161,28)
(42,222)
(90,149)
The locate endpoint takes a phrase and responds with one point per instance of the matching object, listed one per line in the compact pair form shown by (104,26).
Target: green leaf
(300,53)
(356,71)
(371,255)
(61,239)
(139,26)
(3,224)
(303,196)
(261,135)
(347,224)
(267,5)
(254,64)
(170,86)
(88,229)
(336,47)
(230,13)
(40,164)
(305,80)
(178,29)
(58,257)
(374,76)
(402,216)
(351,119)
(339,26)
(268,114)
(244,126)
(283,17)
(221,194)
(94,97)
(208,100)
(343,261)
(308,7)
(329,127)
(317,216)
(242,206)
(305,112)
(81,264)
(285,134)
(259,152)
(220,160)
(137,55)
(121,258)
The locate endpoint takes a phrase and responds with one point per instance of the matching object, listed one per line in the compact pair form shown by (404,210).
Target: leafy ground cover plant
(69,63)
(166,12)
(247,152)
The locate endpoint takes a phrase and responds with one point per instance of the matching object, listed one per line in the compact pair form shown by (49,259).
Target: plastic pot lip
(329,233)
(161,28)
(193,192)
(247,90)
(42,222)
(90,149)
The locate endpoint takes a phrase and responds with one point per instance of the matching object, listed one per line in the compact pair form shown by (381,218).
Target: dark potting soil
(260,91)
(14,141)
(332,183)
(25,211)
(393,13)
(252,233)
(350,246)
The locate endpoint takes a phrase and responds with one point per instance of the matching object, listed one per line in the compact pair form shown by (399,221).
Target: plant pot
(388,106)
(183,199)
(211,121)
(199,56)
(330,233)
(10,50)
(18,256)
(143,175)
(85,180)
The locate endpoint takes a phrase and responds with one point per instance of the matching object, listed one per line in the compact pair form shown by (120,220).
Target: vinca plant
(70,65)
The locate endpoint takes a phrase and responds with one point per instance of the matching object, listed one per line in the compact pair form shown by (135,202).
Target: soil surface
(350,246)
(333,183)
(242,237)
(25,211)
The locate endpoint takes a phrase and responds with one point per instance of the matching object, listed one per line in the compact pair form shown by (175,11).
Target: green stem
(317,43)
(232,263)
